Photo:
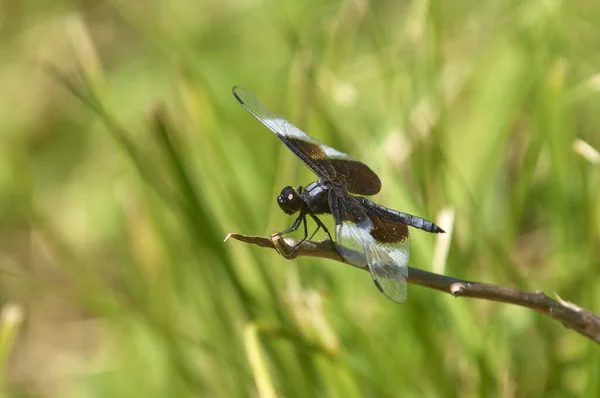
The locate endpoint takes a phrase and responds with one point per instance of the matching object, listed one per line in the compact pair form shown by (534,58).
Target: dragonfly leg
(296,224)
(320,225)
(305,235)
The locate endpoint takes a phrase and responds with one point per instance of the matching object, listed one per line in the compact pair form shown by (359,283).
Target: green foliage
(114,202)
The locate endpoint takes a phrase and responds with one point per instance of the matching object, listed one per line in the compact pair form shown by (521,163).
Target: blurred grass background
(115,280)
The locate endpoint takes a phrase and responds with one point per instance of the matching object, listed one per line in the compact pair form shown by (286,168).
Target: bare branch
(570,315)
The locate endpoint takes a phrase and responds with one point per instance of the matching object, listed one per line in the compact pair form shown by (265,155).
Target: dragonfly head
(289,200)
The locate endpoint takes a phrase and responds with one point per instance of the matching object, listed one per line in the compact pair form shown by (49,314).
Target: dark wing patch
(360,179)
(386,231)
(384,244)
(325,161)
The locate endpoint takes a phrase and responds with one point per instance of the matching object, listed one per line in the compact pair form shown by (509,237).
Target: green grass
(112,222)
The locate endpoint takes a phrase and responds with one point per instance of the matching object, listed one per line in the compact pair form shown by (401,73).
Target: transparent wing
(388,266)
(325,161)
(384,244)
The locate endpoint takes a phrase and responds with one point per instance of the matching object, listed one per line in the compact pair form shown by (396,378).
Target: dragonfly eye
(289,201)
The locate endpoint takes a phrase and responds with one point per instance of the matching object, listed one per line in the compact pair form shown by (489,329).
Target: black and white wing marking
(326,162)
(385,244)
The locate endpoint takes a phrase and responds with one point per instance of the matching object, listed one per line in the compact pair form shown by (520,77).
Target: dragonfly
(363,229)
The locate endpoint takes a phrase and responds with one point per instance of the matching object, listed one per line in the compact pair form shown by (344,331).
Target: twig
(570,315)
